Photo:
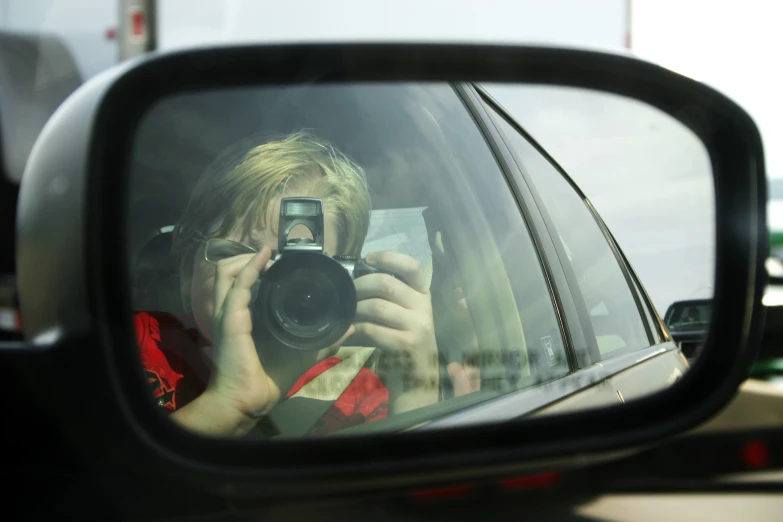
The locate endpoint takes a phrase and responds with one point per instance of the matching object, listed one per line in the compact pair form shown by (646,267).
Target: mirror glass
(329,259)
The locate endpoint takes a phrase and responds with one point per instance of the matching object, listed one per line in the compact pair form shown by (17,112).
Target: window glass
(689,315)
(401,171)
(615,317)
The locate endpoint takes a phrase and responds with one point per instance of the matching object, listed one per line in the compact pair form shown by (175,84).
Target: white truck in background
(100,33)
(50,47)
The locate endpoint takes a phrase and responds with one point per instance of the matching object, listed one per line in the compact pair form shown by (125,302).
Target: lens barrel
(306,301)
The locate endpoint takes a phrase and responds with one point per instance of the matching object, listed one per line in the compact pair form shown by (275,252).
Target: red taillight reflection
(755,454)
(138,23)
(540,480)
(447,492)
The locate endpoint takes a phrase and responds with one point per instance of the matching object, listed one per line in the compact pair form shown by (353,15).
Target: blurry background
(730,45)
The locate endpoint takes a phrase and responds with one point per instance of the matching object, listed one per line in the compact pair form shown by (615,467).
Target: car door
(623,340)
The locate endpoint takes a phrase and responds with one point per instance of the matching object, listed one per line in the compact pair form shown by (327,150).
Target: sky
(732,46)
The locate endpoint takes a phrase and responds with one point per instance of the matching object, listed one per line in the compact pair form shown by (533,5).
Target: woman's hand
(239,392)
(464,378)
(395,315)
(238,377)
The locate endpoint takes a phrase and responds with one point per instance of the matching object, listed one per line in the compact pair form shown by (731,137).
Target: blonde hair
(220,199)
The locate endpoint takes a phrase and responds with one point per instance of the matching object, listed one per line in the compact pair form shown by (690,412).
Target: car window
(437,198)
(689,314)
(401,230)
(650,313)
(617,321)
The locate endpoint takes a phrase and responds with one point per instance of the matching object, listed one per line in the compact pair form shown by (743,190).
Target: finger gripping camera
(307,299)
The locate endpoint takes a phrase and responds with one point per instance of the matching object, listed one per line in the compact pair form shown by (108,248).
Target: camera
(307,299)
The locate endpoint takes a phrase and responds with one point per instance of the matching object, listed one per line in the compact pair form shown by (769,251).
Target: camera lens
(304,302)
(303,305)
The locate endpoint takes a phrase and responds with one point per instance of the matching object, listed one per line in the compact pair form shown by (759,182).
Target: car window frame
(559,291)
(572,327)
(657,325)
(592,347)
(590,355)
(629,280)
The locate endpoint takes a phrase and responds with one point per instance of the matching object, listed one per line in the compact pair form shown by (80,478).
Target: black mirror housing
(76,309)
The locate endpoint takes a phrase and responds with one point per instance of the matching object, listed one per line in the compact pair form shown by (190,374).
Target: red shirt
(177,375)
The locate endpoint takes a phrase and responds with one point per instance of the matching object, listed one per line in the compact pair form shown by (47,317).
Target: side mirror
(520,329)
(688,322)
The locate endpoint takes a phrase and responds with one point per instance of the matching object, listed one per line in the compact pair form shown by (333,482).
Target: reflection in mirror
(358,258)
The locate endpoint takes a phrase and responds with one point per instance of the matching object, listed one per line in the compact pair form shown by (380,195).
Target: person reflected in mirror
(693,315)
(215,379)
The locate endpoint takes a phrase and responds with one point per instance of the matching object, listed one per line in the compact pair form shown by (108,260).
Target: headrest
(156,275)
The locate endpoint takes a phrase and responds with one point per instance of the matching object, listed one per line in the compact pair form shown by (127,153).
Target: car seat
(156,285)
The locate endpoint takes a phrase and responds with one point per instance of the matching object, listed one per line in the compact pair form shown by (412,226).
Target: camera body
(309,212)
(307,299)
